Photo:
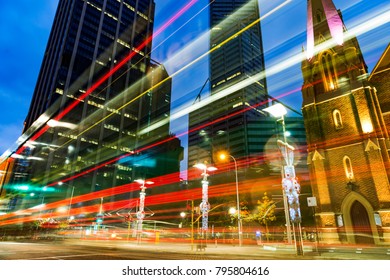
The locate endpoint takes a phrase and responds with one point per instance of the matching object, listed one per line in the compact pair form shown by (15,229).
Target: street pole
(71,198)
(285,202)
(141,210)
(70,203)
(192,225)
(205,205)
(312,202)
(291,189)
(239,222)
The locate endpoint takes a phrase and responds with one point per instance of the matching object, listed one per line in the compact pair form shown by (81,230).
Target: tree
(264,213)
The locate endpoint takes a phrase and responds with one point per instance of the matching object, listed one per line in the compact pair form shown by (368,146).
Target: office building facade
(96,89)
(236,56)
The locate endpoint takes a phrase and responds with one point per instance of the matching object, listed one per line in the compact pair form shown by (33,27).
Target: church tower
(348,144)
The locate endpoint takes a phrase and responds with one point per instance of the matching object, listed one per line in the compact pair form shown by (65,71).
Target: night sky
(25,26)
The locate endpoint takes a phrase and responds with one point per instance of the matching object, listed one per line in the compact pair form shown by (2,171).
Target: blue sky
(25,26)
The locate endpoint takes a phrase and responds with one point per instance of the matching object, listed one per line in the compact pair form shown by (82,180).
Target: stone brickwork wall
(381,82)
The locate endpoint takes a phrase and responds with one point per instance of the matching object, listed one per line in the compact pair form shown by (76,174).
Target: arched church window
(328,71)
(337,120)
(319,16)
(348,168)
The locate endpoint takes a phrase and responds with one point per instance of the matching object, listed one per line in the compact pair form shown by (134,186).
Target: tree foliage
(264,212)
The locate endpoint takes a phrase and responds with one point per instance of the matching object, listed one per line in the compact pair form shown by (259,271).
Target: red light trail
(70,107)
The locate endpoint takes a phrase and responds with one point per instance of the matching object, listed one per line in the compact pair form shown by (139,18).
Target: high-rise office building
(236,56)
(96,89)
(88,39)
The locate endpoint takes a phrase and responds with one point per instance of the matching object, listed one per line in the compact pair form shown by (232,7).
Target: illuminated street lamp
(182,215)
(205,205)
(223,156)
(141,210)
(278,111)
(291,187)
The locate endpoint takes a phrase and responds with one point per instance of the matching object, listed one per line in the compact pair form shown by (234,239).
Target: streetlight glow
(212,168)
(222,156)
(232,210)
(143,182)
(203,167)
(277,110)
(200,166)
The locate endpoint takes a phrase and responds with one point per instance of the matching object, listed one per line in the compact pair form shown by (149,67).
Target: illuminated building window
(338,122)
(328,71)
(348,168)
(123,43)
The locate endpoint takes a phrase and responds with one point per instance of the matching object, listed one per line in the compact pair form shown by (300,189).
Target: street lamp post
(278,111)
(141,210)
(205,205)
(239,221)
(192,224)
(291,187)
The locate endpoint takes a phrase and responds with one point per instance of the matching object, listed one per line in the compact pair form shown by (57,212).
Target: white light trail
(187,108)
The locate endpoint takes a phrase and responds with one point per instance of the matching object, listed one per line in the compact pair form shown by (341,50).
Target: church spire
(318,12)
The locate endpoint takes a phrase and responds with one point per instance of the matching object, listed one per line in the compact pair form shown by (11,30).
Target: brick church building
(347,132)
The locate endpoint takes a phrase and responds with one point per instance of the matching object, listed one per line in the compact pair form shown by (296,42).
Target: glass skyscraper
(97,87)
(236,56)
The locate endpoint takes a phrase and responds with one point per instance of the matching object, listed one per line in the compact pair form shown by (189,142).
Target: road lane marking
(65,256)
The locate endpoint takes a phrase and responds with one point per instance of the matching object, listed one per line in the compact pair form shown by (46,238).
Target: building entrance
(361,224)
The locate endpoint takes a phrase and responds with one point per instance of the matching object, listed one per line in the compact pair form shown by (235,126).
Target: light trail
(185,109)
(275,69)
(93,124)
(70,107)
(154,200)
(183,112)
(181,70)
(370,25)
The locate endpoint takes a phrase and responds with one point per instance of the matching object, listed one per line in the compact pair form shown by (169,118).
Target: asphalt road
(102,251)
(133,260)
(111,250)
